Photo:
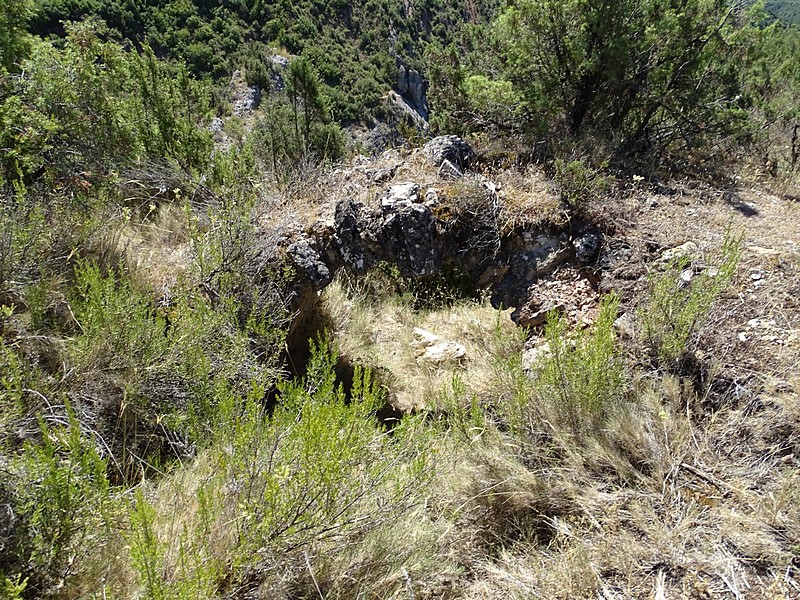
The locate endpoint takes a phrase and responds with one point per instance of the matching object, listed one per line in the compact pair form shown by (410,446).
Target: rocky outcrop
(245,98)
(409,229)
(402,232)
(423,231)
(449,148)
(279,65)
(412,89)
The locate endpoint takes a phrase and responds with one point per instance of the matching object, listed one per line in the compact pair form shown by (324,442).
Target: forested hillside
(785,10)
(355,47)
(540,341)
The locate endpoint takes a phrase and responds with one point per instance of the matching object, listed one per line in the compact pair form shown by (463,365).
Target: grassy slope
(675,490)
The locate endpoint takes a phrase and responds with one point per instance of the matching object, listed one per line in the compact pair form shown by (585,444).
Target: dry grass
(379,332)
(664,502)
(673,497)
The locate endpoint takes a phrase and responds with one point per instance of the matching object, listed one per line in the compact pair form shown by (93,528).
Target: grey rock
(279,64)
(431,198)
(412,88)
(586,247)
(625,325)
(401,194)
(246,98)
(309,263)
(280,61)
(385,174)
(407,236)
(348,241)
(449,147)
(449,170)
(534,356)
(406,111)
(445,353)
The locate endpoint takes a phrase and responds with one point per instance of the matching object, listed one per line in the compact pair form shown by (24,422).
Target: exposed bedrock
(405,232)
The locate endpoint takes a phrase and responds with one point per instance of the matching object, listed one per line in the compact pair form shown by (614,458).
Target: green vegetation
(152,442)
(354,47)
(681,301)
(642,82)
(787,11)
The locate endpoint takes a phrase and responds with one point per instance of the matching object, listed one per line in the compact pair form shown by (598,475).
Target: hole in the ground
(311,322)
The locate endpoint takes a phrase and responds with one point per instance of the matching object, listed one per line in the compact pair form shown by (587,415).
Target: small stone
(687,250)
(431,198)
(423,337)
(445,352)
(625,325)
(686,278)
(533,357)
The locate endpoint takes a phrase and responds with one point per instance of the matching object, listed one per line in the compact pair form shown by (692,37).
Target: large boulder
(406,234)
(451,148)
(402,232)
(347,224)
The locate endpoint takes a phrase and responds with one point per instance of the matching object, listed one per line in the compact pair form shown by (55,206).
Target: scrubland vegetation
(156,440)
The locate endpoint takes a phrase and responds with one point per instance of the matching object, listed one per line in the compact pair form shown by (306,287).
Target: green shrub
(676,308)
(577,183)
(24,238)
(319,466)
(117,320)
(146,552)
(582,379)
(61,500)
(11,588)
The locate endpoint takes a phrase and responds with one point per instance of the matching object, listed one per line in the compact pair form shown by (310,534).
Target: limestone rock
(402,194)
(625,326)
(412,114)
(411,86)
(431,198)
(445,353)
(689,250)
(347,233)
(534,356)
(449,147)
(279,64)
(450,170)
(246,98)
(408,234)
(424,338)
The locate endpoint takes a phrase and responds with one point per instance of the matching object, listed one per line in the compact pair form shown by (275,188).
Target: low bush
(59,502)
(582,378)
(312,476)
(680,302)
